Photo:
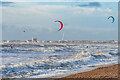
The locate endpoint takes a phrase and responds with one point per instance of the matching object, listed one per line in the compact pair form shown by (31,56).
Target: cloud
(40,20)
(7,4)
(91,4)
(62,0)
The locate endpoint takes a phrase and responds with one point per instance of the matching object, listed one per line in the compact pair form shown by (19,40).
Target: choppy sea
(54,60)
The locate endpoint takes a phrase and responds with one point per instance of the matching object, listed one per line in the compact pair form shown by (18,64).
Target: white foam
(56,61)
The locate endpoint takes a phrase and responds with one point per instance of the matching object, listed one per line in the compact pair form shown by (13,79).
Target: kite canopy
(23,30)
(60,24)
(112,18)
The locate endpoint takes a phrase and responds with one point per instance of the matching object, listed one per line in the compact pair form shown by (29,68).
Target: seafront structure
(34,40)
(61,41)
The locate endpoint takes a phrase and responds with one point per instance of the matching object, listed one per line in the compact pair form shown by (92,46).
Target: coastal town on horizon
(34,40)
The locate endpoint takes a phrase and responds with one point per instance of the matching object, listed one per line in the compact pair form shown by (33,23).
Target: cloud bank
(91,4)
(80,23)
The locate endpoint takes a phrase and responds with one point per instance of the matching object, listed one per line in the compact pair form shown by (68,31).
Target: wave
(31,59)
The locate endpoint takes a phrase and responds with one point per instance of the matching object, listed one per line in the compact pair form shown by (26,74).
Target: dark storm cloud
(91,4)
(7,4)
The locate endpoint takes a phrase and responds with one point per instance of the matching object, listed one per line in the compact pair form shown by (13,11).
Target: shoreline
(80,71)
(111,72)
(101,72)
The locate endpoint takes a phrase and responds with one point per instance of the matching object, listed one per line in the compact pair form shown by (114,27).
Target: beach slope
(102,72)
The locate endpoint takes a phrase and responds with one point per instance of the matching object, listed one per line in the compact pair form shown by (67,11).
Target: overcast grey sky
(82,20)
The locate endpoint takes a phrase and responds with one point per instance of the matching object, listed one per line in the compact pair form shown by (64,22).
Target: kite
(112,18)
(61,24)
(23,30)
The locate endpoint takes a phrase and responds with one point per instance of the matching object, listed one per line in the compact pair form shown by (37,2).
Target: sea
(54,60)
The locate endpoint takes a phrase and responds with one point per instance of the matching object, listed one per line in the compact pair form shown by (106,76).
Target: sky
(61,0)
(82,20)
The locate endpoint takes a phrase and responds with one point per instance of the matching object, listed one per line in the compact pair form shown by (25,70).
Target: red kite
(23,30)
(61,24)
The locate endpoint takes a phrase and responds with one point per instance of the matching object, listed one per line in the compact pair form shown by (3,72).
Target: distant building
(28,41)
(34,39)
(8,41)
